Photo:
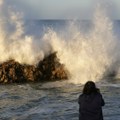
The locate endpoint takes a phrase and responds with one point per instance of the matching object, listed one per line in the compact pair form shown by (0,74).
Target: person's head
(90,87)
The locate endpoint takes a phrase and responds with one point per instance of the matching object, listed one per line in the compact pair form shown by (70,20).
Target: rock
(51,68)
(48,69)
(31,73)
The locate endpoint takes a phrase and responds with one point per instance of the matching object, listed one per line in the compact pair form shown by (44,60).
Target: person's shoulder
(81,95)
(99,94)
(81,98)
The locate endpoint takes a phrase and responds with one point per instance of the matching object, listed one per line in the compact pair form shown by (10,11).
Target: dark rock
(51,68)
(48,69)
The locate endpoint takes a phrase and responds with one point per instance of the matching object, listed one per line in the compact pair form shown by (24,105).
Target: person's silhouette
(90,103)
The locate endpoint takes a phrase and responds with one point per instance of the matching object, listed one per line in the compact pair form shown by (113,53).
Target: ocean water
(53,101)
(58,100)
(89,49)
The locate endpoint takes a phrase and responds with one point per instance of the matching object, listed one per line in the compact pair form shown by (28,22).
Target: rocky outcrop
(48,69)
(51,68)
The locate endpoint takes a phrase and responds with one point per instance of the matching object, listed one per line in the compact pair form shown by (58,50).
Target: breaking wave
(87,56)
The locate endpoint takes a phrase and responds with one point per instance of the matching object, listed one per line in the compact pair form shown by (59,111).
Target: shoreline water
(53,100)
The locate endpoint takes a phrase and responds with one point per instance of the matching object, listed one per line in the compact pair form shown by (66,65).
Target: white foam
(86,56)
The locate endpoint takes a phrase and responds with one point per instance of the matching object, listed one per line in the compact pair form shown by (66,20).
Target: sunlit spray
(13,43)
(87,56)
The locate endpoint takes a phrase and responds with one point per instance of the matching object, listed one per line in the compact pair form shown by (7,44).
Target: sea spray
(88,56)
(1,2)
(14,44)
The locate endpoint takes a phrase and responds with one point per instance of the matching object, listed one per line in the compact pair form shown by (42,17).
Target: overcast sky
(63,9)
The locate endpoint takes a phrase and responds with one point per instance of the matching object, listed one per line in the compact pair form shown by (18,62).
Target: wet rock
(51,68)
(31,73)
(48,69)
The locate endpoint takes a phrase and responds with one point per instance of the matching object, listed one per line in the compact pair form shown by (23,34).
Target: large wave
(87,56)
(14,43)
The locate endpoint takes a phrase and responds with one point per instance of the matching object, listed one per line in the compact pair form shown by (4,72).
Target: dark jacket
(90,106)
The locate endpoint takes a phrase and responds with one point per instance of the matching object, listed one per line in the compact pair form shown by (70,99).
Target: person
(90,103)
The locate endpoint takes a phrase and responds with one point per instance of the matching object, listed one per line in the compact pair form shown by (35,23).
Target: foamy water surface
(53,101)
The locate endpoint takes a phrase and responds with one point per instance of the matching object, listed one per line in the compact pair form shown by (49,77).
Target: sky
(63,9)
